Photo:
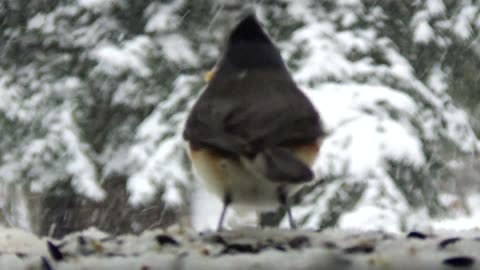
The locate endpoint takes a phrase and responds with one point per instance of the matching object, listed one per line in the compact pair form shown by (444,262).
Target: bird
(252,135)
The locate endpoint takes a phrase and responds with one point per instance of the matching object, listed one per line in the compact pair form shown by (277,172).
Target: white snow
(349,2)
(466,142)
(178,49)
(42,22)
(317,38)
(80,166)
(313,205)
(82,169)
(206,208)
(423,33)
(159,169)
(435,7)
(462,222)
(370,218)
(164,17)
(132,56)
(98,5)
(37,163)
(156,161)
(462,26)
(14,240)
(349,19)
(10,101)
(437,80)
(363,110)
(14,206)
(368,148)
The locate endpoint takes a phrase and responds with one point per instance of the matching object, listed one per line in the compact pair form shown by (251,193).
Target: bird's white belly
(249,191)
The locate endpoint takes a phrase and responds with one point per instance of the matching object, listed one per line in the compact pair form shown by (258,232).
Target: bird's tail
(281,165)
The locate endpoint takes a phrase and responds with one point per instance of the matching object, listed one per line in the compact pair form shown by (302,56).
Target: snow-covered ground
(247,248)
(447,243)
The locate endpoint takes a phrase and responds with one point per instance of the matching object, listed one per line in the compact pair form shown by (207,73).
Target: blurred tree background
(93,94)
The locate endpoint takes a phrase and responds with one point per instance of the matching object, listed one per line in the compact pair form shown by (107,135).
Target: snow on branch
(157,154)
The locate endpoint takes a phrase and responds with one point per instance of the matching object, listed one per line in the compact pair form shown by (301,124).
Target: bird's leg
(283,198)
(227,200)
(259,220)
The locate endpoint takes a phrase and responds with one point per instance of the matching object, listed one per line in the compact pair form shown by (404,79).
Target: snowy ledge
(242,249)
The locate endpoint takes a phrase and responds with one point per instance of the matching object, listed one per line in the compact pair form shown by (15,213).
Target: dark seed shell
(298,242)
(54,251)
(461,261)
(239,248)
(164,239)
(46,264)
(449,241)
(417,235)
(364,248)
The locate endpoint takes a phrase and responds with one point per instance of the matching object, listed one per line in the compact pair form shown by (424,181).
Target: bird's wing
(258,116)
(204,128)
(276,121)
(271,128)
(241,124)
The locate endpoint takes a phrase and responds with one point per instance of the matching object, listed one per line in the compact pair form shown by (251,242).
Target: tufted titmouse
(252,134)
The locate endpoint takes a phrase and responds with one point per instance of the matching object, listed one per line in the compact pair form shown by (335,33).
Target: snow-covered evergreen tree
(96,91)
(391,122)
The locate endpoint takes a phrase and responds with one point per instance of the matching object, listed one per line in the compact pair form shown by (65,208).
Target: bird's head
(248,47)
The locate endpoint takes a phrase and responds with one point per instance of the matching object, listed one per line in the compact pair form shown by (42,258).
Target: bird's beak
(209,75)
